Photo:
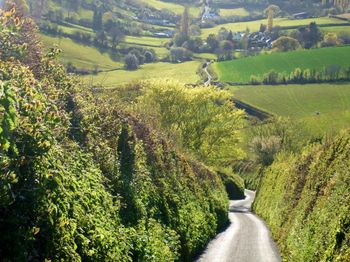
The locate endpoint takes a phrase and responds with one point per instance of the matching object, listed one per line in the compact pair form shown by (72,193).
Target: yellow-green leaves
(203,120)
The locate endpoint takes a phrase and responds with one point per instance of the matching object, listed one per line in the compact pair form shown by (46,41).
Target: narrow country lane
(247,239)
(210,78)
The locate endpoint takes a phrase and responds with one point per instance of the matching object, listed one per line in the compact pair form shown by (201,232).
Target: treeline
(299,76)
(91,178)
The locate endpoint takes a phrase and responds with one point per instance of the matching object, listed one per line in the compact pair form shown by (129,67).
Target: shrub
(131,62)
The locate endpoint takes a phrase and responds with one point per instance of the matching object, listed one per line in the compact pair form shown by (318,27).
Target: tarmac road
(247,239)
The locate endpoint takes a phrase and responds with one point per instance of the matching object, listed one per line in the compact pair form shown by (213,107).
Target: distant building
(155,21)
(301,15)
(164,33)
(260,40)
(237,36)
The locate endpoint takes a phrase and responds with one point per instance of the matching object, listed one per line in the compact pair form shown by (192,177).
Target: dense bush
(304,198)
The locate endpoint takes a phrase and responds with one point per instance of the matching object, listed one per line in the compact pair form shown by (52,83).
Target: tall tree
(270,12)
(185,23)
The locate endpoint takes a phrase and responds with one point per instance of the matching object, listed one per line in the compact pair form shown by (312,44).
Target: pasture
(83,57)
(147,41)
(183,72)
(254,26)
(324,108)
(241,12)
(241,70)
(173,7)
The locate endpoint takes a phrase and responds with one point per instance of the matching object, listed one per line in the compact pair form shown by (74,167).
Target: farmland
(241,70)
(241,12)
(282,22)
(84,57)
(302,102)
(176,8)
(184,72)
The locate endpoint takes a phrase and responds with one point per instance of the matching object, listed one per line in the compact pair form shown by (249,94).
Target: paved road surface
(208,82)
(247,239)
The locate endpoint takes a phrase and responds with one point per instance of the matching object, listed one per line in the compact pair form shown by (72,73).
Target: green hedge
(305,200)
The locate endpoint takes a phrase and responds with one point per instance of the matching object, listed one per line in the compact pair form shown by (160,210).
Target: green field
(184,72)
(148,41)
(241,70)
(339,30)
(83,57)
(242,12)
(254,26)
(301,102)
(175,8)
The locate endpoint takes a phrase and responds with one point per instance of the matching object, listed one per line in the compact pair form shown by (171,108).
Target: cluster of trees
(86,178)
(223,44)
(137,57)
(308,37)
(298,76)
(186,41)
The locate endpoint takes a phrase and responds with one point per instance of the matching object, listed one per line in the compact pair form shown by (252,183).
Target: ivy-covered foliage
(305,200)
(81,180)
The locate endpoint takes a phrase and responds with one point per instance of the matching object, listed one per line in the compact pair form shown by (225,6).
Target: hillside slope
(305,200)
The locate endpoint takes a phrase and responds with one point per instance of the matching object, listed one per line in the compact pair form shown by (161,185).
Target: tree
(212,42)
(180,54)
(185,23)
(225,51)
(97,23)
(149,57)
(270,12)
(131,62)
(38,7)
(315,35)
(193,44)
(285,44)
(330,39)
(203,120)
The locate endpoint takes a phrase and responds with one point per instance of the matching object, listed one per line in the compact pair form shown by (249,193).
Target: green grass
(241,70)
(144,40)
(301,102)
(184,72)
(242,12)
(84,57)
(209,56)
(175,8)
(339,30)
(255,25)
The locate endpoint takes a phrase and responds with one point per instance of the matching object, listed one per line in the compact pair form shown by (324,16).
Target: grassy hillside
(84,57)
(184,72)
(254,26)
(241,70)
(305,200)
(302,102)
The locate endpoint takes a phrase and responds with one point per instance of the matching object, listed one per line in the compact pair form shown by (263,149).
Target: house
(237,36)
(260,40)
(301,15)
(164,34)
(155,21)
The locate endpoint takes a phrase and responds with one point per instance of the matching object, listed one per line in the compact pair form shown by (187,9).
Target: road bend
(247,239)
